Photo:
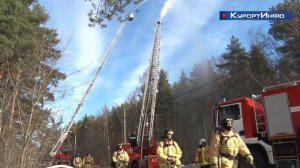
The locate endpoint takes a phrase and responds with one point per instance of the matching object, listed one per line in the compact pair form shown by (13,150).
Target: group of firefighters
(86,162)
(222,152)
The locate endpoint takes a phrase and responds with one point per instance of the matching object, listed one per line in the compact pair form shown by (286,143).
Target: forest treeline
(29,79)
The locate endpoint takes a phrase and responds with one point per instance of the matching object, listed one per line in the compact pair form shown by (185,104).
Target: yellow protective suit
(168,149)
(225,146)
(77,162)
(121,158)
(88,161)
(202,156)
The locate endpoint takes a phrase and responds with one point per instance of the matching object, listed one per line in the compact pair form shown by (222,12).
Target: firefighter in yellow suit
(77,161)
(226,145)
(120,157)
(202,154)
(88,161)
(168,151)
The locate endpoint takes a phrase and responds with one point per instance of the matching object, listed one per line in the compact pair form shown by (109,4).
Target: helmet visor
(229,122)
(170,132)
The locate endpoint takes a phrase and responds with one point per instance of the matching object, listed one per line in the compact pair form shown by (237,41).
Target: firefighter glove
(249,159)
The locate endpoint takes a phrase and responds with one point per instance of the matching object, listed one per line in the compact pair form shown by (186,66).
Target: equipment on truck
(142,146)
(269,124)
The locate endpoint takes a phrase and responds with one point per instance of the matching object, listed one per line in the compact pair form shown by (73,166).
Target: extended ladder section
(145,129)
(260,121)
(66,130)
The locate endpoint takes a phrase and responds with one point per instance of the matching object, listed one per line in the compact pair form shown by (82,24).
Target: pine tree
(233,64)
(198,75)
(163,109)
(105,10)
(27,78)
(288,33)
(182,85)
(260,70)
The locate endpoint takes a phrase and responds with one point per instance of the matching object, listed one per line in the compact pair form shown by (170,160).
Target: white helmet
(202,141)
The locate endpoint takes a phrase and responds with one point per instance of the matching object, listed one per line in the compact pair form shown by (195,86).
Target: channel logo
(256,15)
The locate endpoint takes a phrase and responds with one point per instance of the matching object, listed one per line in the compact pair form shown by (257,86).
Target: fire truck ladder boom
(145,129)
(68,127)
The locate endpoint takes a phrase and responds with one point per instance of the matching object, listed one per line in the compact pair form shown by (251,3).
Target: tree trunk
(7,133)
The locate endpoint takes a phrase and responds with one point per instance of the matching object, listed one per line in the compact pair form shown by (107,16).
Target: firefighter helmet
(226,123)
(118,147)
(202,141)
(168,131)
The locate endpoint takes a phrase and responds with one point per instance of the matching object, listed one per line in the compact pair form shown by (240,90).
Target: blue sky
(191,33)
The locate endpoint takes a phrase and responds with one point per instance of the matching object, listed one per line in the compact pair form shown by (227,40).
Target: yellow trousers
(227,163)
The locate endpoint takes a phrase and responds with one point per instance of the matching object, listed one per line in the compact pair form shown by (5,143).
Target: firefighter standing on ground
(120,157)
(77,161)
(168,151)
(202,154)
(88,161)
(226,145)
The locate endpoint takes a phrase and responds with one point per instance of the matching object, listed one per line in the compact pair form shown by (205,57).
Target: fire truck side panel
(293,93)
(294,100)
(282,106)
(277,111)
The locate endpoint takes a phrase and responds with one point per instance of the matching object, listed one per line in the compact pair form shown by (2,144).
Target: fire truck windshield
(229,111)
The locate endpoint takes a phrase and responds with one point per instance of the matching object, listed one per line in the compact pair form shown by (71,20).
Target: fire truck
(269,124)
(63,156)
(141,147)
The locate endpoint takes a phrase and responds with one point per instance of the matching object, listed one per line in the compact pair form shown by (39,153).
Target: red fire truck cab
(62,157)
(268,123)
(144,156)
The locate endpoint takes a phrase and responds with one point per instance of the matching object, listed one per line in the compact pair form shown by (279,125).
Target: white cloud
(90,46)
(87,44)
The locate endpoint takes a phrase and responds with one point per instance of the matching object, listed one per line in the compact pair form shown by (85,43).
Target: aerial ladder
(142,151)
(145,129)
(58,144)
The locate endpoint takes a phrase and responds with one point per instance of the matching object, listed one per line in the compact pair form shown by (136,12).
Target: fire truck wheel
(259,159)
(135,165)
